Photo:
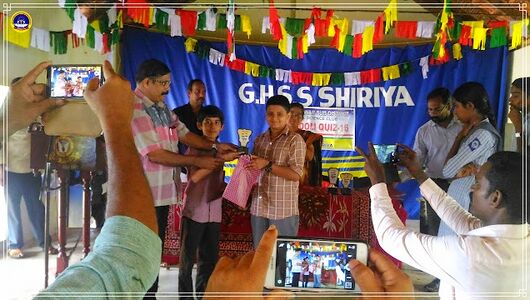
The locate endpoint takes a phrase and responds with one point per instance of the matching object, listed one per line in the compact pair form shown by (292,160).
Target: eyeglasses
(164,83)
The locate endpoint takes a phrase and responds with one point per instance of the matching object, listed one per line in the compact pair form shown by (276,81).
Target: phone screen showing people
(385,153)
(315,264)
(69,81)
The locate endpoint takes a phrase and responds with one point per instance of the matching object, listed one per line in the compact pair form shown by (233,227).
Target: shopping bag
(240,185)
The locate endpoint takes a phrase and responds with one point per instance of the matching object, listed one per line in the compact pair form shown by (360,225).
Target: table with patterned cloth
(322,215)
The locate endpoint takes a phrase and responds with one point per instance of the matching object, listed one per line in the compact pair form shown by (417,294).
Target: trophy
(346,179)
(244,138)
(333,174)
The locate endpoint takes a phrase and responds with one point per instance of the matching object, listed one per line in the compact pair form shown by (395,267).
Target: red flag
(188,19)
(406,29)
(236,65)
(106,43)
(329,15)
(357,45)
(274,20)
(335,41)
(300,48)
(320,27)
(140,14)
(379,30)
(301,77)
(465,36)
(370,76)
(497,24)
(316,12)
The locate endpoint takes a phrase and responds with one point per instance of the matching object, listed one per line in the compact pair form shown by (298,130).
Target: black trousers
(199,240)
(161,218)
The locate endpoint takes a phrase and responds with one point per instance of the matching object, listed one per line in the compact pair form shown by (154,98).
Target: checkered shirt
(276,197)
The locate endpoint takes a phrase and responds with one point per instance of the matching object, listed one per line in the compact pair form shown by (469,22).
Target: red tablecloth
(321,215)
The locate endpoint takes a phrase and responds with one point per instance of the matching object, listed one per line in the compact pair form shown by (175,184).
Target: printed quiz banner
(336,125)
(383,112)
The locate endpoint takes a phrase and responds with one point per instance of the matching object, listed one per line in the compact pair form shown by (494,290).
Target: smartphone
(69,81)
(314,264)
(386,153)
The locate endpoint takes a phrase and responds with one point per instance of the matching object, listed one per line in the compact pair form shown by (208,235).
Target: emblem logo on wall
(21,21)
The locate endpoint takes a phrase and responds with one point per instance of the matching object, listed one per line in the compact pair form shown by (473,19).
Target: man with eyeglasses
(188,113)
(157,132)
(433,141)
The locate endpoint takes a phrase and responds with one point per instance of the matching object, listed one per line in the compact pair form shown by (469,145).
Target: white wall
(20,60)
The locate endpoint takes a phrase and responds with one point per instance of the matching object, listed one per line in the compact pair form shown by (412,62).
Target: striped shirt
(156,127)
(276,197)
(476,149)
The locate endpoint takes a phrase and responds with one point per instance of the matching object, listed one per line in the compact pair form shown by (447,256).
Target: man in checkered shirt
(280,152)
(157,132)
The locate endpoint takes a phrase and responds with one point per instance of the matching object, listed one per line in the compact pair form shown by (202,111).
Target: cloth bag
(240,185)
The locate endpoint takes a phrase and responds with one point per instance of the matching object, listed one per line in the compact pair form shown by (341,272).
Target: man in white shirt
(432,144)
(487,255)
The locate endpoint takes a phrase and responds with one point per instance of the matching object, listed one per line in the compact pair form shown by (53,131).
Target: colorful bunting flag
(498,37)
(479,38)
(390,72)
(230,27)
(457,51)
(406,29)
(368,39)
(390,15)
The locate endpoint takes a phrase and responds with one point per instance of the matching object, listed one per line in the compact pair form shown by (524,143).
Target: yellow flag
(457,51)
(246,27)
(21,39)
(517,33)
(390,15)
(391,72)
(119,19)
(282,44)
(190,44)
(321,79)
(95,25)
(368,36)
(341,23)
(305,43)
(252,69)
(474,25)
(151,15)
(479,38)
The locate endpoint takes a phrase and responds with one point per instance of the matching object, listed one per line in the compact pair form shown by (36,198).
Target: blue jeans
(286,227)
(316,280)
(28,186)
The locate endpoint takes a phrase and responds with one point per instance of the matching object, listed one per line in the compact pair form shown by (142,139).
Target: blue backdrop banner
(385,112)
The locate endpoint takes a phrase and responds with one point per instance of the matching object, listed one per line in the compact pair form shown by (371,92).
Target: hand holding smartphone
(75,118)
(314,264)
(69,81)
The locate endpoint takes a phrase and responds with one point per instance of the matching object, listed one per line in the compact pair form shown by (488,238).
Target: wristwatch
(268,167)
